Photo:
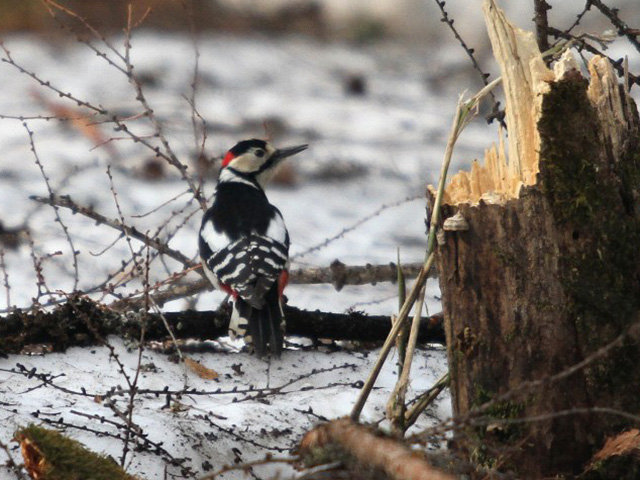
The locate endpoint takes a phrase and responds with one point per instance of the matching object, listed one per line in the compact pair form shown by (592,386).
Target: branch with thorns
(65,229)
(622,28)
(65,201)
(166,152)
(496,112)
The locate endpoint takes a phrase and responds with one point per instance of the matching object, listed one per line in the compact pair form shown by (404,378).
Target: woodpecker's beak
(283,153)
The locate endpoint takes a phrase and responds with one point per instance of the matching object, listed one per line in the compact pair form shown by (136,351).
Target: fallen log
(81,322)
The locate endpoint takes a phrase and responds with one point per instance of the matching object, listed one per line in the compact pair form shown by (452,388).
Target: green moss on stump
(507,410)
(67,459)
(592,200)
(495,431)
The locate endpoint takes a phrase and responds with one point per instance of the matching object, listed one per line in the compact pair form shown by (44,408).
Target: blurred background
(409,20)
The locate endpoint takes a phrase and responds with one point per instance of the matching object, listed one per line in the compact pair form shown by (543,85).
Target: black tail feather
(275,320)
(265,326)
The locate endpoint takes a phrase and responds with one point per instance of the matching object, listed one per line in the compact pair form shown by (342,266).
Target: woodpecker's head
(257,158)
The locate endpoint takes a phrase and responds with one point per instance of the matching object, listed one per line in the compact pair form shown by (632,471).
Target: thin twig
(166,152)
(425,399)
(158,311)
(161,206)
(41,283)
(483,421)
(65,230)
(53,6)
(67,202)
(484,76)
(158,127)
(357,224)
(114,194)
(134,384)
(198,123)
(623,29)
(582,44)
(542,24)
(575,23)
(11,463)
(142,439)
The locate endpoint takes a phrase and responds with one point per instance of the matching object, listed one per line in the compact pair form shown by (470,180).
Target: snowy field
(366,152)
(364,175)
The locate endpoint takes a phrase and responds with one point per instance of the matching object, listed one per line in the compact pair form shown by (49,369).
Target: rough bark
(548,273)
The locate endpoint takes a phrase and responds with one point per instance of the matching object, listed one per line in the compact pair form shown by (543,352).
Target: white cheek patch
(277,230)
(247,163)
(215,240)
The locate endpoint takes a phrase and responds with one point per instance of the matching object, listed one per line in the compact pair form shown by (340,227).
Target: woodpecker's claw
(283,153)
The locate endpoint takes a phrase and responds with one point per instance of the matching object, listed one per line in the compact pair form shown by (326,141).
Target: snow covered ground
(367,151)
(253,409)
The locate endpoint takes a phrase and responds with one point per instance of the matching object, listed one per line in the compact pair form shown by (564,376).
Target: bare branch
(542,24)
(575,23)
(268,460)
(363,220)
(338,275)
(496,113)
(66,202)
(623,29)
(582,44)
(168,155)
(81,321)
(65,230)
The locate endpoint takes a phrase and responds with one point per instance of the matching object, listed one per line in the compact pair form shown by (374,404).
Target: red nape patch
(283,280)
(227,159)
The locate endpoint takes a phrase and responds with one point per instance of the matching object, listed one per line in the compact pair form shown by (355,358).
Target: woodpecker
(244,244)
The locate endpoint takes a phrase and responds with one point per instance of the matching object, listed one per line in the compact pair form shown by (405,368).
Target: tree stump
(548,271)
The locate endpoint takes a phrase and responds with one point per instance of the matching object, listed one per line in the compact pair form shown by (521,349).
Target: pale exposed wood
(396,460)
(525,78)
(604,94)
(488,182)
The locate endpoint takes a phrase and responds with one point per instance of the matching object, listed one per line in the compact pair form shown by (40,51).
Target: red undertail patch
(283,280)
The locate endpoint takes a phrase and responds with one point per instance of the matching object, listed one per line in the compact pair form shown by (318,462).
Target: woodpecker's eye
(259,153)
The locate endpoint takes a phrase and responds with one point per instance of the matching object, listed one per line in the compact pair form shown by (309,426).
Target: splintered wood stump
(547,271)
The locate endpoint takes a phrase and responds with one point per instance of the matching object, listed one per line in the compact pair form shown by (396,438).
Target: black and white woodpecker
(244,244)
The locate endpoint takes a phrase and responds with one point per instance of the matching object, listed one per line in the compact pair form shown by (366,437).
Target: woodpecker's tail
(263,328)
